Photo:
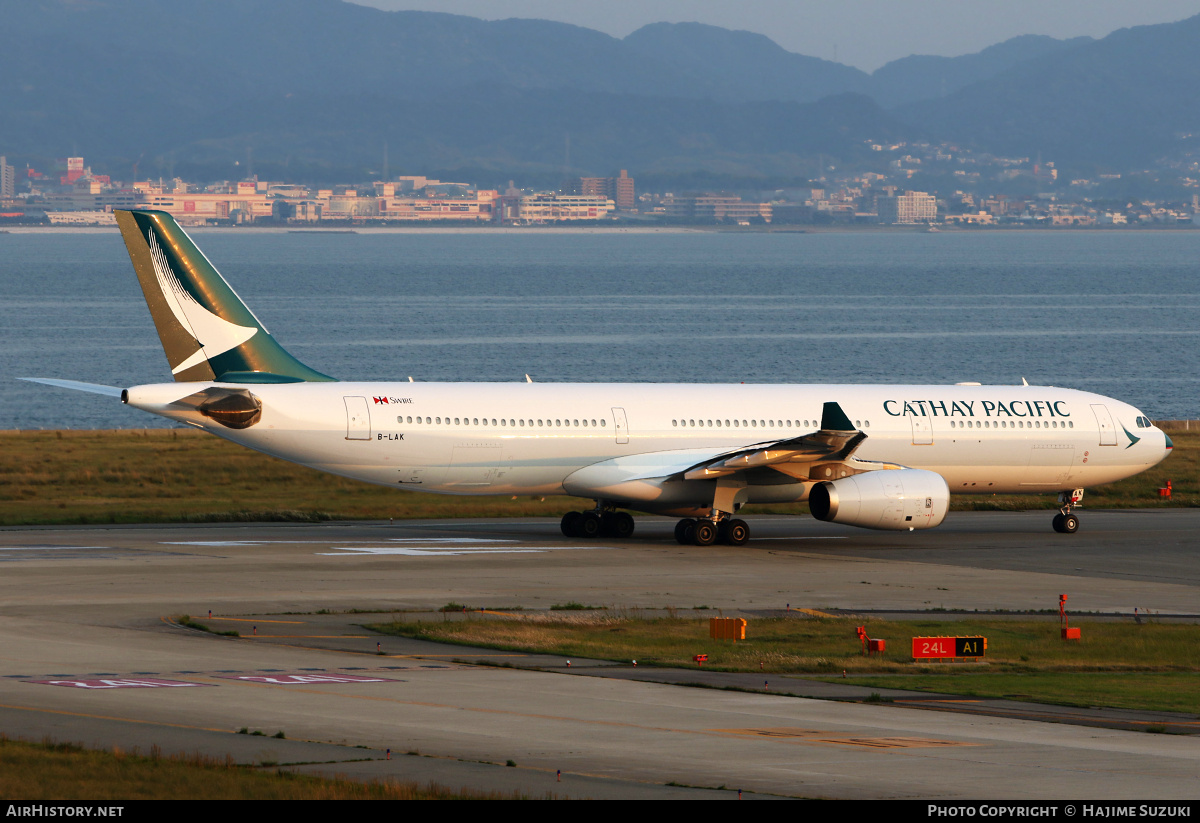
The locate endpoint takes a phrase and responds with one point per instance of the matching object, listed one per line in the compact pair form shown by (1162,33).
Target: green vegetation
(1116,664)
(186,620)
(182,475)
(63,771)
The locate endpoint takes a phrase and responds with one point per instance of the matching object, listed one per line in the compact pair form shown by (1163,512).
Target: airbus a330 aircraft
(875,456)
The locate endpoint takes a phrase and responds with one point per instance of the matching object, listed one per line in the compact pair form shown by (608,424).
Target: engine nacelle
(895,499)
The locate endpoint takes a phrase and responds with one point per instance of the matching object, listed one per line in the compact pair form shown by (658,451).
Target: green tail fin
(207,332)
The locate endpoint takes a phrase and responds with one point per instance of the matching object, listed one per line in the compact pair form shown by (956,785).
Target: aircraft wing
(94,388)
(835,442)
(799,457)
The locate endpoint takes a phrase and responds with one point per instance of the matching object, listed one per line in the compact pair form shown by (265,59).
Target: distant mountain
(319,87)
(740,65)
(921,77)
(1121,101)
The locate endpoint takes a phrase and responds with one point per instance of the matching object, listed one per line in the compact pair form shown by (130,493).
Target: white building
(909,207)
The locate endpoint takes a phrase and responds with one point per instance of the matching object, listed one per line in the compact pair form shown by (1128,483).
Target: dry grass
(63,771)
(1118,664)
(814,645)
(173,475)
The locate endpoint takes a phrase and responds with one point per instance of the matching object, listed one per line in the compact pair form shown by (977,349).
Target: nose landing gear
(1065,522)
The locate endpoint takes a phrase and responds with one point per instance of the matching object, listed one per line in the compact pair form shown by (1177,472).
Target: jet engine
(894,499)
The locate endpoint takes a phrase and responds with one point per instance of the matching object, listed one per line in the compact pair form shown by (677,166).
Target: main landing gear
(705,532)
(598,523)
(1064,522)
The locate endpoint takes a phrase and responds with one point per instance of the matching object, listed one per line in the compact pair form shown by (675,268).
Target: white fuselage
(531,438)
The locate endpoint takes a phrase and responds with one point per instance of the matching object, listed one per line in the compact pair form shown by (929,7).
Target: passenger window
(602,423)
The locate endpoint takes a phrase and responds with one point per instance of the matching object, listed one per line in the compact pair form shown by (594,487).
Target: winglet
(206,330)
(833,419)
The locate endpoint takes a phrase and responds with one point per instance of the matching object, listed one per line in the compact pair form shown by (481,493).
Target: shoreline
(617,229)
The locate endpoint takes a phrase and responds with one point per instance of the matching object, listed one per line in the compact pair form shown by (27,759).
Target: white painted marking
(325,542)
(47,548)
(756,539)
(439,551)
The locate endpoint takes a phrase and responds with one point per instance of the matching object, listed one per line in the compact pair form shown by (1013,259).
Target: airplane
(874,456)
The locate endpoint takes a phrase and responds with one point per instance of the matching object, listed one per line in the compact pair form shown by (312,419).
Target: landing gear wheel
(737,532)
(1065,523)
(621,525)
(705,533)
(684,531)
(570,524)
(588,525)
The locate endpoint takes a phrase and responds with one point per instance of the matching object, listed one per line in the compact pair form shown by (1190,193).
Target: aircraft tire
(570,524)
(1070,524)
(621,525)
(737,532)
(589,525)
(705,533)
(684,530)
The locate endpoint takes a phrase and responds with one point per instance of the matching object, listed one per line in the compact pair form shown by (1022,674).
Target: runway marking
(252,620)
(326,542)
(292,679)
(47,547)
(831,537)
(814,736)
(448,551)
(120,683)
(118,719)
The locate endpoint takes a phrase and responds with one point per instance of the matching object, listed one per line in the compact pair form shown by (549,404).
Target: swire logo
(396,401)
(381,400)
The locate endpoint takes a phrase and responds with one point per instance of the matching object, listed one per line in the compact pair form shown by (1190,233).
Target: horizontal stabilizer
(94,388)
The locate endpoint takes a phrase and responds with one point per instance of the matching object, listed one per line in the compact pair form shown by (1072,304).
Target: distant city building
(721,208)
(549,207)
(8,179)
(618,189)
(909,207)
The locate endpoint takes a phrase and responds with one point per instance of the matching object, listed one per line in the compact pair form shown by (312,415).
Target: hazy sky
(862,33)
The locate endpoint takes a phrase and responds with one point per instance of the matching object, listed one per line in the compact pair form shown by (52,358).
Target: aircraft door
(620,425)
(922,426)
(358,419)
(1108,432)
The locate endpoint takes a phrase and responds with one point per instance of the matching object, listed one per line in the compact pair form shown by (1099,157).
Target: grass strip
(65,771)
(1113,656)
(183,475)
(1138,691)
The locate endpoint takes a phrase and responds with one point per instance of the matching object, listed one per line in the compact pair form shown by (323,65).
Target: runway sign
(924,648)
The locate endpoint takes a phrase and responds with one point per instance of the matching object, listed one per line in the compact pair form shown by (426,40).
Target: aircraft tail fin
(207,332)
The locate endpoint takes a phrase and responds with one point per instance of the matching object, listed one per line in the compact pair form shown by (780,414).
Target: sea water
(1113,312)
